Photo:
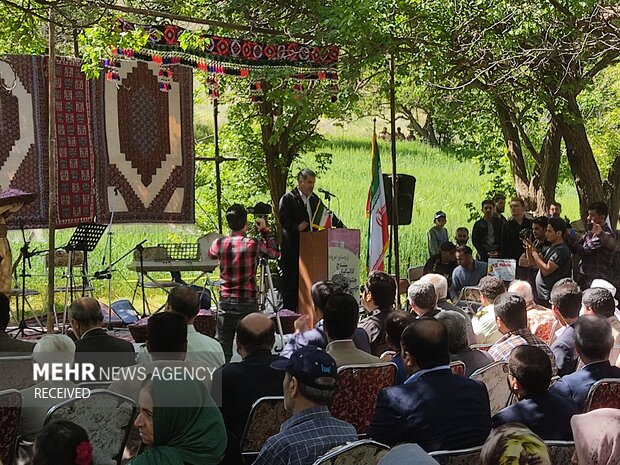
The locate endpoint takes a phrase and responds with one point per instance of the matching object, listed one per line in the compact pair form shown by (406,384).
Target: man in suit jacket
(593,341)
(546,414)
(434,408)
(340,322)
(236,386)
(296,212)
(565,303)
(94,344)
(8,344)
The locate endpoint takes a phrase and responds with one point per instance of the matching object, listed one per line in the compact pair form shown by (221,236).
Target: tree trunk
(430,130)
(545,178)
(611,188)
(425,133)
(580,156)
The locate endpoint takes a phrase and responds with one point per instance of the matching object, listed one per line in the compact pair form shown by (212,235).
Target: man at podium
(300,210)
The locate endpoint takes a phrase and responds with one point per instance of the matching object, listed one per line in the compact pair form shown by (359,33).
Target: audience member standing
(309,384)
(378,298)
(565,303)
(468,273)
(438,234)
(599,301)
(422,410)
(340,322)
(486,232)
(461,235)
(500,205)
(593,342)
(511,241)
(236,386)
(511,319)
(546,414)
(540,244)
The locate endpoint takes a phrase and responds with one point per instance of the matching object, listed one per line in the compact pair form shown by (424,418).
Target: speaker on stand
(406,191)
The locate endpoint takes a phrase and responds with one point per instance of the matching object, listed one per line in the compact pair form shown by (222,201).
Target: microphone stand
(109,248)
(25,255)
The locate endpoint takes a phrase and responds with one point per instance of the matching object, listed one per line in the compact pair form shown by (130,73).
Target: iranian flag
(376,212)
(322,218)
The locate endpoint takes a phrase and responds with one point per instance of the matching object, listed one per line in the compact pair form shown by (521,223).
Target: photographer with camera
(553,263)
(511,241)
(538,236)
(238,255)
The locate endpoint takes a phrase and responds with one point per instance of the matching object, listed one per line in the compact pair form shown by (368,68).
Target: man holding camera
(297,210)
(238,255)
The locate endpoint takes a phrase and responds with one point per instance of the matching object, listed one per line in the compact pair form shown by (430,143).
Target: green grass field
(443,183)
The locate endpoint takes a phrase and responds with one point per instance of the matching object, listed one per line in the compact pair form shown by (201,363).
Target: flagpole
(394,177)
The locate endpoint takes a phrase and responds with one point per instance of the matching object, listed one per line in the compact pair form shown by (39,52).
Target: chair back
(10,412)
(266,417)
(494,378)
(458,367)
(469,456)
(560,452)
(362,452)
(605,393)
(107,418)
(414,273)
(16,372)
(355,397)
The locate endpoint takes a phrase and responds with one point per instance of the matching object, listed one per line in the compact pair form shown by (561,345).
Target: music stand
(85,238)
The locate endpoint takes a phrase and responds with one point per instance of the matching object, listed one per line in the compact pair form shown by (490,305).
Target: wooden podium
(330,254)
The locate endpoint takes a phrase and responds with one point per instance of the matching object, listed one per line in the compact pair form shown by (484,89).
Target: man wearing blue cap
(308,385)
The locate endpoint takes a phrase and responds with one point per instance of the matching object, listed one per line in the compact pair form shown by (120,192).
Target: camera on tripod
(260,210)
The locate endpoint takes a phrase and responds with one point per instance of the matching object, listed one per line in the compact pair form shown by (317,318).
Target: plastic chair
(494,378)
(355,397)
(362,452)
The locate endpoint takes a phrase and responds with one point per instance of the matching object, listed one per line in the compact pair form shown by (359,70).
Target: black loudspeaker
(406,191)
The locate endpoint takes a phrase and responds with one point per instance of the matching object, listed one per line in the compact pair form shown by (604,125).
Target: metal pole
(394,176)
(51,210)
(218,179)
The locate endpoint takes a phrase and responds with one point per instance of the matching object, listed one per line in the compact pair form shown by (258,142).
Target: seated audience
(485,233)
(422,299)
(423,409)
(511,319)
(442,263)
(394,327)
(565,303)
(304,335)
(457,343)
(514,443)
(309,384)
(468,273)
(179,424)
(340,322)
(378,299)
(483,321)
(593,342)
(62,443)
(94,344)
(547,415)
(438,234)
(236,386)
(540,320)
(53,348)
(461,235)
(597,437)
(440,283)
(8,344)
(200,348)
(599,301)
(602,284)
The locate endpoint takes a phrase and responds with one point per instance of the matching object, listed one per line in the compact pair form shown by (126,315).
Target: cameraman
(538,236)
(554,262)
(238,255)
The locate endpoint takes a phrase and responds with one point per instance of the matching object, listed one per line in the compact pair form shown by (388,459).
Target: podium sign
(330,254)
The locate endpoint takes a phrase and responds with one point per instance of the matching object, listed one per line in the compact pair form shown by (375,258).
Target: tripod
(267,296)
(25,255)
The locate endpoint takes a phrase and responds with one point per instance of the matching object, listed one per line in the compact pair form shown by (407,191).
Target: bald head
(254,332)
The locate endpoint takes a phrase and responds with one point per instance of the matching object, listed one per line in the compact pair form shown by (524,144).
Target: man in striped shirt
(238,255)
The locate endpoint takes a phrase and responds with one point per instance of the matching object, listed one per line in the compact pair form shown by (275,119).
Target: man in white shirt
(483,321)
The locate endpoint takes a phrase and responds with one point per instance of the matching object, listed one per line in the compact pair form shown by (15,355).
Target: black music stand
(85,238)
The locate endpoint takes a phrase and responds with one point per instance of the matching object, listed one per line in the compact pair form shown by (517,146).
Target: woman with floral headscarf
(514,444)
(179,424)
(597,437)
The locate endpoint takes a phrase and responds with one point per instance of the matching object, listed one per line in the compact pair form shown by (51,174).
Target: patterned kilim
(147,146)
(131,139)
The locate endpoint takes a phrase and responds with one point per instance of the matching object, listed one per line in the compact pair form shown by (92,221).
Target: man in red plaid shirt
(238,255)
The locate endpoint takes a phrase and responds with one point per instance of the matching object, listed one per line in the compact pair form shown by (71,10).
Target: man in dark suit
(565,303)
(593,341)
(94,344)
(297,209)
(546,414)
(434,408)
(8,344)
(236,386)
